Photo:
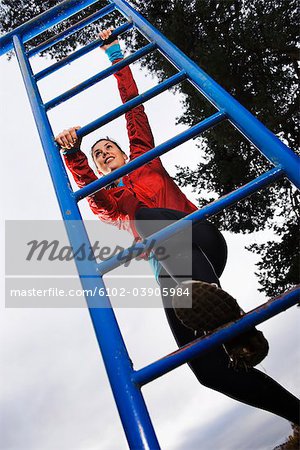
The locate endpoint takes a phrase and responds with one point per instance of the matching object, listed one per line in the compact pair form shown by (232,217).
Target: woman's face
(108,156)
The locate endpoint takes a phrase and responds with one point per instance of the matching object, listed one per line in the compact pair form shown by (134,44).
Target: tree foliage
(293,441)
(250,48)
(16,12)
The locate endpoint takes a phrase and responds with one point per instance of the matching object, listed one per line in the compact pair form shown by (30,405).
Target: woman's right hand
(104,34)
(68,139)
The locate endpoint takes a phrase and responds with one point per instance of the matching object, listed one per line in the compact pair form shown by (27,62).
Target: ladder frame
(126,382)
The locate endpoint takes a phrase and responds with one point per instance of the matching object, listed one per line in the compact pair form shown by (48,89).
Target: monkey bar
(125,381)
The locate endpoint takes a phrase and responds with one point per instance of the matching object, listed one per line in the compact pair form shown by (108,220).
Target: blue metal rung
(100,76)
(82,51)
(203,213)
(226,333)
(43,22)
(156,90)
(71,30)
(151,154)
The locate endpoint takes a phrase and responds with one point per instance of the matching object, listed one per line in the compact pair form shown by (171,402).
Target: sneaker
(213,307)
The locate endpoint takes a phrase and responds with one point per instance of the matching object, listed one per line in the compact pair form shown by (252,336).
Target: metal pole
(129,400)
(150,154)
(203,213)
(205,344)
(99,76)
(42,22)
(82,51)
(71,30)
(142,98)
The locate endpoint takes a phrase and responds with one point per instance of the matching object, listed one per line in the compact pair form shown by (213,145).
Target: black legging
(209,253)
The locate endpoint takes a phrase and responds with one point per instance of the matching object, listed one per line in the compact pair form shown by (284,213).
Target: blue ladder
(126,382)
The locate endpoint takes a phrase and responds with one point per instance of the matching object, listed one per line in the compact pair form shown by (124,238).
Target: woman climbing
(139,202)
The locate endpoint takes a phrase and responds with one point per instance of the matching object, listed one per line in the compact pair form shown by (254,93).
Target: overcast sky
(54,390)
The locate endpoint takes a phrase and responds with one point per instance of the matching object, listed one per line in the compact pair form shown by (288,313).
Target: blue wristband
(114,52)
(70,151)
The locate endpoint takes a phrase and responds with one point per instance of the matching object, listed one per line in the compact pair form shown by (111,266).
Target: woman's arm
(139,132)
(102,202)
(138,128)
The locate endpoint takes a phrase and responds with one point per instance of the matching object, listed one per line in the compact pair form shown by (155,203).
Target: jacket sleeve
(102,202)
(138,128)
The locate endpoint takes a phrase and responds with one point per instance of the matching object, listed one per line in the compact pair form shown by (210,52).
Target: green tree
(15,12)
(250,48)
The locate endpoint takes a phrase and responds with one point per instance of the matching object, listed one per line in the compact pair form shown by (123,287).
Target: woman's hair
(104,139)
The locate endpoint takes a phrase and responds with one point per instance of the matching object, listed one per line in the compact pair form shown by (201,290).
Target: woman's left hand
(104,34)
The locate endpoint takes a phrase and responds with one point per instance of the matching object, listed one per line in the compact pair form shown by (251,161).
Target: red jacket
(149,186)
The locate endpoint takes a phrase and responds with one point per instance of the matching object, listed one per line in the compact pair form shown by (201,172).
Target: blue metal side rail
(125,381)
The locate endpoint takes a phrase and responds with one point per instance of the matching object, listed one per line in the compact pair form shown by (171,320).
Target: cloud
(236,429)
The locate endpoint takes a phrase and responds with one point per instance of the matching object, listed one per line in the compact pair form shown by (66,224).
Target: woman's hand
(104,34)
(68,139)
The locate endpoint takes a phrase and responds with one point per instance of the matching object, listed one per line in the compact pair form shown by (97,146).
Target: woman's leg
(199,264)
(213,370)
(202,258)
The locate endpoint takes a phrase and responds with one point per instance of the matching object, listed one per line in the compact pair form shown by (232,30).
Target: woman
(139,202)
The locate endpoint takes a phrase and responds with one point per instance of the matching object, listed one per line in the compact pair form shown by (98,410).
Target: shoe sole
(213,307)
